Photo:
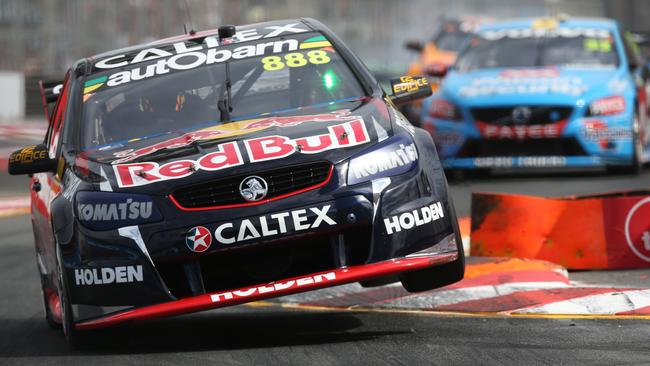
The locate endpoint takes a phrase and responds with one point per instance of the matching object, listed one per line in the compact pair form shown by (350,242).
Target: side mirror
(409,88)
(437,70)
(414,45)
(30,160)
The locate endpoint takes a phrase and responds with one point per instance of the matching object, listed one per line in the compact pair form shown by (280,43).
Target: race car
(227,166)
(437,54)
(544,93)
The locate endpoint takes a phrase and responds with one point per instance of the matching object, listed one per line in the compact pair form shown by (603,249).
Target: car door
(44,187)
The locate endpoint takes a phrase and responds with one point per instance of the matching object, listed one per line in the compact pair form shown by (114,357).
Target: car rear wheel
(438,276)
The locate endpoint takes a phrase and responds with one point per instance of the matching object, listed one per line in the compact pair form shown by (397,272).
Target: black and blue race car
(228,166)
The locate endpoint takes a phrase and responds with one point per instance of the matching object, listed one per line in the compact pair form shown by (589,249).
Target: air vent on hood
(224,192)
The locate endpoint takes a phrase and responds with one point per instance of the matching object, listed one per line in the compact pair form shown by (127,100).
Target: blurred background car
(438,53)
(544,92)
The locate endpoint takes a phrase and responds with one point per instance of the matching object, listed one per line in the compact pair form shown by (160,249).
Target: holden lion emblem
(253,188)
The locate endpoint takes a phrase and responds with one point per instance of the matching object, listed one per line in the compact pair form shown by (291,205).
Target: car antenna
(189,20)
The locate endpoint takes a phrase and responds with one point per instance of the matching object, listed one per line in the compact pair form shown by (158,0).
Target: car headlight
(607,106)
(394,156)
(107,210)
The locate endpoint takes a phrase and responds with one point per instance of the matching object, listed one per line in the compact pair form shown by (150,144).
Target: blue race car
(548,92)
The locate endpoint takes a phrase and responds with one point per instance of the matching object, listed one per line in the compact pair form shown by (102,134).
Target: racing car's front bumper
(274,289)
(374,229)
(461,145)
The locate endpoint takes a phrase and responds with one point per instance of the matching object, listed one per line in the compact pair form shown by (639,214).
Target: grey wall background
(42,38)
(45,36)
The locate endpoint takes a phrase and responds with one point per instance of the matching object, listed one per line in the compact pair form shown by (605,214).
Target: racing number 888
(295,59)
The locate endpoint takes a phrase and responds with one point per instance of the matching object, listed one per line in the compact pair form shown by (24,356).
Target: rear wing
(50,91)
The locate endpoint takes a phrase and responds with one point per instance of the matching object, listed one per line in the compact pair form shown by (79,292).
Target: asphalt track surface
(271,335)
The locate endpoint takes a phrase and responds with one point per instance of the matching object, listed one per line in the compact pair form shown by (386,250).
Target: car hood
(563,86)
(332,132)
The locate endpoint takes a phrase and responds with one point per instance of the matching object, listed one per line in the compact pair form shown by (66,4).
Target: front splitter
(284,287)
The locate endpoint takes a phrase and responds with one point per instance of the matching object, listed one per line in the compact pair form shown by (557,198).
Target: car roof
(304,22)
(569,22)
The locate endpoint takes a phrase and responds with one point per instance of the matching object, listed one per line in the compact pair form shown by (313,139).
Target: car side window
(52,138)
(632,52)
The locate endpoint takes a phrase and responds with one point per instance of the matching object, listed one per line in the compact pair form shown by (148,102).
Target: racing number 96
(295,59)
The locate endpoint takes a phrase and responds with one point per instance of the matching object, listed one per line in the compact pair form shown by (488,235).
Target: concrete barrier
(603,231)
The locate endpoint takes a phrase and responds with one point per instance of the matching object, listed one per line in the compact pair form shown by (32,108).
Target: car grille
(263,263)
(224,192)
(539,115)
(529,147)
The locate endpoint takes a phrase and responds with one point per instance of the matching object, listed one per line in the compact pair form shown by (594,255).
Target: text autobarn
(191,60)
(209,42)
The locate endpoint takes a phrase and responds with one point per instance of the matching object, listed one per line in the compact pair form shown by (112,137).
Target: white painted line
(448,297)
(607,304)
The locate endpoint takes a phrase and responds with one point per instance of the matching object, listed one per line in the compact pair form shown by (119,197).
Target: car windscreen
(451,39)
(190,90)
(572,47)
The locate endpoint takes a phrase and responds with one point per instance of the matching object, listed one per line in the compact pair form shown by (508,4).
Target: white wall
(12,96)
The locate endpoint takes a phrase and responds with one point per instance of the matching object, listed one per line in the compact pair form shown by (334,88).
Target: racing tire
(442,275)
(72,336)
(637,152)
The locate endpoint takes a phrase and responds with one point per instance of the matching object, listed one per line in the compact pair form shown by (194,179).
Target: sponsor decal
(520,161)
(409,84)
(546,32)
(415,218)
(273,287)
(315,42)
(599,131)
(104,210)
(548,72)
(192,60)
(198,239)
(607,106)
(94,84)
(253,188)
(180,48)
(108,275)
(295,59)
(521,132)
(273,225)
(637,229)
(233,129)
(401,121)
(396,158)
(28,155)
(258,149)
(536,85)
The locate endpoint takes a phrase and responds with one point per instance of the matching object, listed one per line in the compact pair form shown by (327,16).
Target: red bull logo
(232,129)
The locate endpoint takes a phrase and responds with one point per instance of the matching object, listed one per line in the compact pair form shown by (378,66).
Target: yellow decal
(27,155)
(409,84)
(545,23)
(295,59)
